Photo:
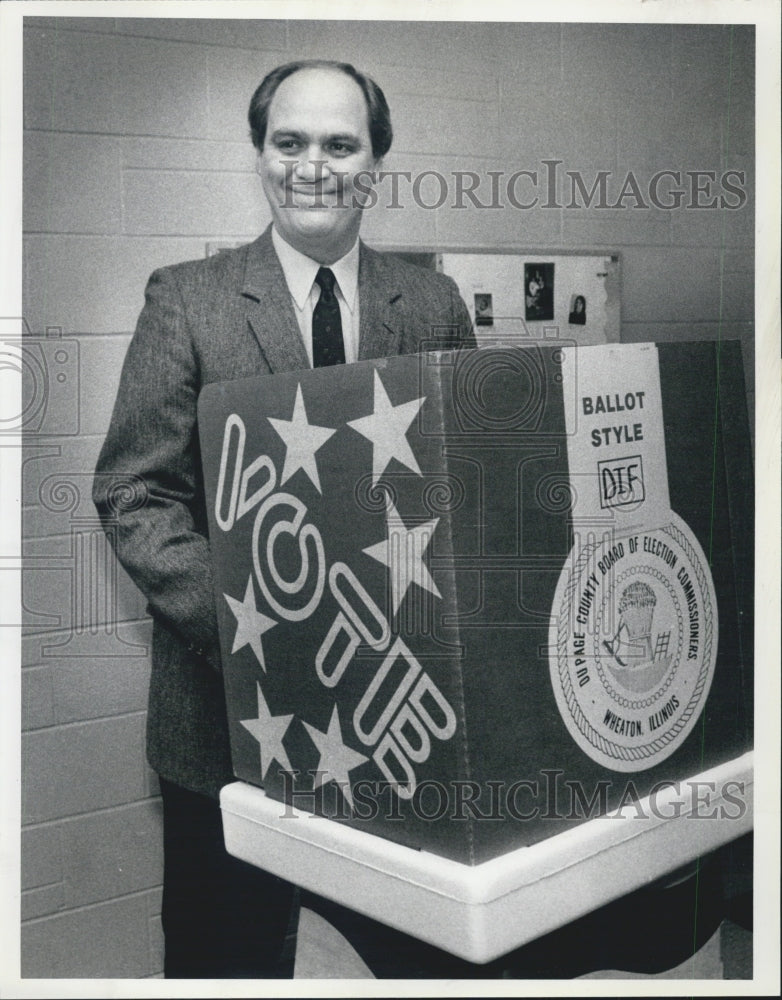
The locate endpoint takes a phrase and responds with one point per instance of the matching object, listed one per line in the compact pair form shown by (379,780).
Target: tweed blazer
(212,320)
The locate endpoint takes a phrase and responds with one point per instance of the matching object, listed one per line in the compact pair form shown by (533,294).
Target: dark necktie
(328,347)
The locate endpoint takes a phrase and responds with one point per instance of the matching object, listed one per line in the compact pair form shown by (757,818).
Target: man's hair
(380,130)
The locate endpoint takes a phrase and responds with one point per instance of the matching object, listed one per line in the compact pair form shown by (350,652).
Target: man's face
(317,140)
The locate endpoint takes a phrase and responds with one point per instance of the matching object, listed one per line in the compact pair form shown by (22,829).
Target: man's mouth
(311,192)
(311,197)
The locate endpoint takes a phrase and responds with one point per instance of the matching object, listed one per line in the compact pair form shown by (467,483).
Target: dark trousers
(222,918)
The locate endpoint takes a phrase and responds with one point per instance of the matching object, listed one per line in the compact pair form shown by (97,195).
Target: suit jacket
(221,318)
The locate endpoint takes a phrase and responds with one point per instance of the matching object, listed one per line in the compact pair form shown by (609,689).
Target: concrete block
(63,507)
(155,901)
(714,227)
(581,132)
(106,25)
(90,688)
(106,941)
(408,226)
(46,598)
(615,228)
(739,129)
(446,126)
(407,223)
(425,81)
(37,698)
(152,153)
(670,284)
(74,769)
(38,56)
(52,461)
(628,60)
(74,584)
(70,81)
(737,299)
(94,284)
(72,658)
(210,30)
(525,55)
(209,204)
(157,945)
(42,871)
(700,62)
(42,901)
(148,68)
(657,133)
(466,47)
(695,141)
(74,396)
(739,262)
(101,361)
(42,862)
(71,183)
(52,23)
(508,226)
(112,853)
(233,77)
(151,785)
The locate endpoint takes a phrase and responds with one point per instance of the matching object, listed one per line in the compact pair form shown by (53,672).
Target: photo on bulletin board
(577,315)
(539,292)
(484,310)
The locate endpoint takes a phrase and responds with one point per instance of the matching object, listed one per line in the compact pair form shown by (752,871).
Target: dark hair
(380,130)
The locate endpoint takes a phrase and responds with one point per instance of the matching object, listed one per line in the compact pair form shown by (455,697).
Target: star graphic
(250,623)
(386,429)
(403,553)
(302,439)
(336,759)
(269,730)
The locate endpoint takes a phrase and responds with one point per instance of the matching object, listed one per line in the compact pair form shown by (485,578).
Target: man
(307,292)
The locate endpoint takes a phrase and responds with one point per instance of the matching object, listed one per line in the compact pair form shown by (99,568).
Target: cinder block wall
(136,155)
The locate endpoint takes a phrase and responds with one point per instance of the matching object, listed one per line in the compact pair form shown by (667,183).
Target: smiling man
(317,131)
(306,293)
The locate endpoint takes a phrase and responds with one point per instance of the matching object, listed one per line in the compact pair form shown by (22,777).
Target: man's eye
(340,148)
(288,145)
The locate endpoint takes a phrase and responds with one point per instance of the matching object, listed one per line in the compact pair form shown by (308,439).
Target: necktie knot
(325,280)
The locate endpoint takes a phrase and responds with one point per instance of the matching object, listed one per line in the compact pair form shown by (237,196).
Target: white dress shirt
(300,272)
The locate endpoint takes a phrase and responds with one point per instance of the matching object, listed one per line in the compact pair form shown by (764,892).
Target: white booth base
(481,912)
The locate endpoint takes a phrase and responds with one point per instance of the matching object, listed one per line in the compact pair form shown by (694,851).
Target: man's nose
(310,167)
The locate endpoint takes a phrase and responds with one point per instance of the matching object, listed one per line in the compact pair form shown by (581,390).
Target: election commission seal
(633,644)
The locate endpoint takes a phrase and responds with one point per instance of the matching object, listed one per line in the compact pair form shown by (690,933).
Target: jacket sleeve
(148,486)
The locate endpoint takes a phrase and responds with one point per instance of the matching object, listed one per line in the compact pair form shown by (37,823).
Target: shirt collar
(300,271)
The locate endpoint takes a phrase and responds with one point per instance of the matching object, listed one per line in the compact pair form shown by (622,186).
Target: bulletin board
(575,296)
(517,293)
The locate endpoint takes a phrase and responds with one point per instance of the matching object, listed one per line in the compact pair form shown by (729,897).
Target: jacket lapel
(272,320)
(269,310)
(380,332)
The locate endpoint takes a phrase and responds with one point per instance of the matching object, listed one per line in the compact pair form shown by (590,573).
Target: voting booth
(486,624)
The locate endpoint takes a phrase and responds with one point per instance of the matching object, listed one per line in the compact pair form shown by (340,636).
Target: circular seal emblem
(633,643)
